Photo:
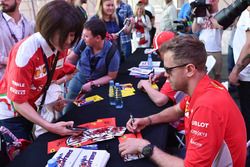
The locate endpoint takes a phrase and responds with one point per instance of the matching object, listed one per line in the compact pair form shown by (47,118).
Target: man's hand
(87,87)
(137,124)
(153,78)
(142,83)
(215,23)
(61,128)
(132,146)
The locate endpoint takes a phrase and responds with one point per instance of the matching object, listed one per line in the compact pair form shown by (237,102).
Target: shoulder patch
(26,50)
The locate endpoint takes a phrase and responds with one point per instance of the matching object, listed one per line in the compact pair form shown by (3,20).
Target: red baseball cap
(141,1)
(162,37)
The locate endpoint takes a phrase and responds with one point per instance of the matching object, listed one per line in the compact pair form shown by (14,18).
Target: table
(139,105)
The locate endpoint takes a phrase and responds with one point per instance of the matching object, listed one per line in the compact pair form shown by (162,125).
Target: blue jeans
(74,88)
(126,49)
(19,126)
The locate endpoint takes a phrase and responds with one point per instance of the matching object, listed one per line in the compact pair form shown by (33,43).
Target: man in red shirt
(166,93)
(214,127)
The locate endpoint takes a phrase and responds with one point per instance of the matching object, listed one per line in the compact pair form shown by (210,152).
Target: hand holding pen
(132,120)
(135,125)
(152,76)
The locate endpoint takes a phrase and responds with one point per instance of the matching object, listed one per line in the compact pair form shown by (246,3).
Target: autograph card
(127,90)
(88,100)
(95,135)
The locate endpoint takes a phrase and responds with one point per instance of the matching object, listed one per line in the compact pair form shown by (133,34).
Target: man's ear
(98,37)
(190,69)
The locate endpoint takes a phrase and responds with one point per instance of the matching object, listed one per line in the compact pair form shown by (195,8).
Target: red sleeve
(168,91)
(204,137)
(63,68)
(68,68)
(19,79)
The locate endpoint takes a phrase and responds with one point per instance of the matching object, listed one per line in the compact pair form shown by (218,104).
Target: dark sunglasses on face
(169,69)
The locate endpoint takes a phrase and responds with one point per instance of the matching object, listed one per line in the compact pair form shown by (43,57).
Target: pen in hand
(132,120)
(151,76)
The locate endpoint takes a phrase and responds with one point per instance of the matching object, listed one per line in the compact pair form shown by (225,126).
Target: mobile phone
(76,128)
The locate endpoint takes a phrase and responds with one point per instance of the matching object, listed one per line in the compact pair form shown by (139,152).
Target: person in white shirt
(169,14)
(142,27)
(211,36)
(150,11)
(240,74)
(13,28)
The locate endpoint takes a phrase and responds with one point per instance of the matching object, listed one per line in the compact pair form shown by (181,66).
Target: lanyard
(50,73)
(12,33)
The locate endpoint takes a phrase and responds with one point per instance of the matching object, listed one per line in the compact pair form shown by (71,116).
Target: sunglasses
(169,69)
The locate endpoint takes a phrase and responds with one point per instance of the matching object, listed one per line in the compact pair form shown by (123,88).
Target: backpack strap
(110,55)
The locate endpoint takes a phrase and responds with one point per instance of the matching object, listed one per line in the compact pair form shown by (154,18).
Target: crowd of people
(83,52)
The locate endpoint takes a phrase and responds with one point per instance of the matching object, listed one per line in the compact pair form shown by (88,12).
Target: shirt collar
(45,46)
(102,53)
(11,19)
(203,85)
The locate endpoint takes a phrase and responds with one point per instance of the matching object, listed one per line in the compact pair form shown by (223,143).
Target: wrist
(48,126)
(149,120)
(92,84)
(142,145)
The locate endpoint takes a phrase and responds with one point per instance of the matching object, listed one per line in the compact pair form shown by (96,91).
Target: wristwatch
(147,151)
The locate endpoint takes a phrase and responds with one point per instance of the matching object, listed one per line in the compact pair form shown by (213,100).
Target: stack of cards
(127,89)
(54,145)
(95,135)
(70,157)
(144,64)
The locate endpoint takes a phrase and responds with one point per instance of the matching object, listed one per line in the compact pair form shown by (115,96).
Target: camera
(181,26)
(227,15)
(199,8)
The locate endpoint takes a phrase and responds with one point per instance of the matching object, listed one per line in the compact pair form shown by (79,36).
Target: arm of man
(163,159)
(157,97)
(169,114)
(72,57)
(100,81)
(159,157)
(27,111)
(243,60)
(105,79)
